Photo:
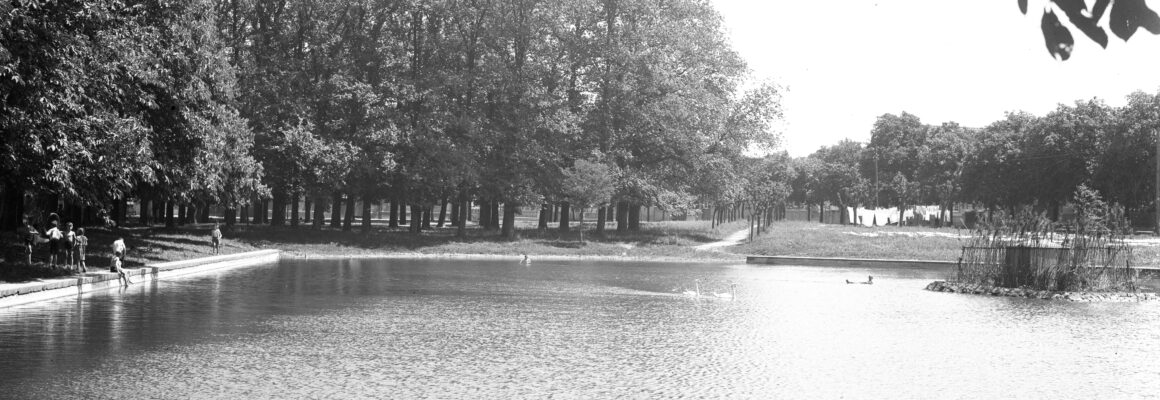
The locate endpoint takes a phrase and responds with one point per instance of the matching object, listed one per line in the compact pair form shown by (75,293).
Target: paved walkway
(731,240)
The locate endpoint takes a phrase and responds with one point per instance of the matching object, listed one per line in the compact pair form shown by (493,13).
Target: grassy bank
(673,239)
(154,244)
(811,239)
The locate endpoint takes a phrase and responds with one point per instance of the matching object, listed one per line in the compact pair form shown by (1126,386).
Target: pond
(395,328)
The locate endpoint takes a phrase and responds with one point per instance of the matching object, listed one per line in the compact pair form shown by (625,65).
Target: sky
(843,63)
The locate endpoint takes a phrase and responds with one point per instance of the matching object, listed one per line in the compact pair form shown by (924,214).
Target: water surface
(497,329)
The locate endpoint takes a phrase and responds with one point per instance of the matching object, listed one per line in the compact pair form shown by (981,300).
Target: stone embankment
(21,293)
(955,287)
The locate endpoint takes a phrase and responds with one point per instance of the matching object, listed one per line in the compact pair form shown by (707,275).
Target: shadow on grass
(383,238)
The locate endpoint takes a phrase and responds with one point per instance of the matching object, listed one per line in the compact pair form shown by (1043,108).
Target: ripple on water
(463,329)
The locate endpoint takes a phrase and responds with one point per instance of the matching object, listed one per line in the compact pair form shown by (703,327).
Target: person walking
(215,237)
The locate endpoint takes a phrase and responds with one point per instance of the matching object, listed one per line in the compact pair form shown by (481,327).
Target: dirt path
(730,240)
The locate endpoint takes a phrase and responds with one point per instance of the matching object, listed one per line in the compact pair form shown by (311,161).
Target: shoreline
(534,257)
(1051,295)
(13,294)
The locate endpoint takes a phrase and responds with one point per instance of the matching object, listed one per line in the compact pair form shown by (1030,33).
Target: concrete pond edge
(846,262)
(93,281)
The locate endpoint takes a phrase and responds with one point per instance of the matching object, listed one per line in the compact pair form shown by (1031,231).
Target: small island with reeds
(1028,255)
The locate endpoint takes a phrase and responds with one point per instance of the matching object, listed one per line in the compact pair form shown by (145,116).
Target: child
(54,238)
(81,243)
(119,248)
(216,237)
(121,276)
(70,242)
(28,234)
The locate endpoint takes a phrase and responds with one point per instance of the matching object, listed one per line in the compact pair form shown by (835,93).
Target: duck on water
(869,281)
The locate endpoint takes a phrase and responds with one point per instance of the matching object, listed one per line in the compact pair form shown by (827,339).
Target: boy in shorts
(81,242)
(55,236)
(70,242)
(28,234)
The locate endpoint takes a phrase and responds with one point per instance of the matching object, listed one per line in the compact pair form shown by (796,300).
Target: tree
(1125,18)
(587,184)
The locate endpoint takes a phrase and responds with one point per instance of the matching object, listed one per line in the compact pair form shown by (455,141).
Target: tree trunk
(485,215)
(442,213)
(622,216)
(455,209)
(319,213)
(279,217)
(809,213)
(366,215)
(182,217)
(415,222)
(205,212)
(403,220)
(245,212)
(348,219)
(495,215)
(336,210)
(231,216)
(601,215)
(634,217)
(580,223)
(428,211)
(307,207)
(255,210)
(169,222)
(464,211)
(393,220)
(294,210)
(900,215)
(565,212)
(144,214)
(509,220)
(545,213)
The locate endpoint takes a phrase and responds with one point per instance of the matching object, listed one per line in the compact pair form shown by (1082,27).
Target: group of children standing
(68,247)
(64,246)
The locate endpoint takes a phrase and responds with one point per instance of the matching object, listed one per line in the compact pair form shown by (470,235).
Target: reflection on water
(497,329)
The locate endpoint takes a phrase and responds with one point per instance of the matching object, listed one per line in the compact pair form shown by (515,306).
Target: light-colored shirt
(82,241)
(54,233)
(118,246)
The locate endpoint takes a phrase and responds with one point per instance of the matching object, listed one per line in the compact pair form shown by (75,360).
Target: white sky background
(845,62)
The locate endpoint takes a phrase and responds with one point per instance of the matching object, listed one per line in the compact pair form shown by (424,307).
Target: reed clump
(1028,250)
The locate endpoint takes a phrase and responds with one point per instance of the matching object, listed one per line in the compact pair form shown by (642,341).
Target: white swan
(731,294)
(694,293)
(526,260)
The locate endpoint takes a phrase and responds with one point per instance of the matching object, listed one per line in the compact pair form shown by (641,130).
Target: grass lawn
(811,239)
(672,239)
(154,244)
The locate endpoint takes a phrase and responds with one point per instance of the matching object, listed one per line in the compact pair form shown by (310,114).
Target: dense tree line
(260,106)
(1021,160)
